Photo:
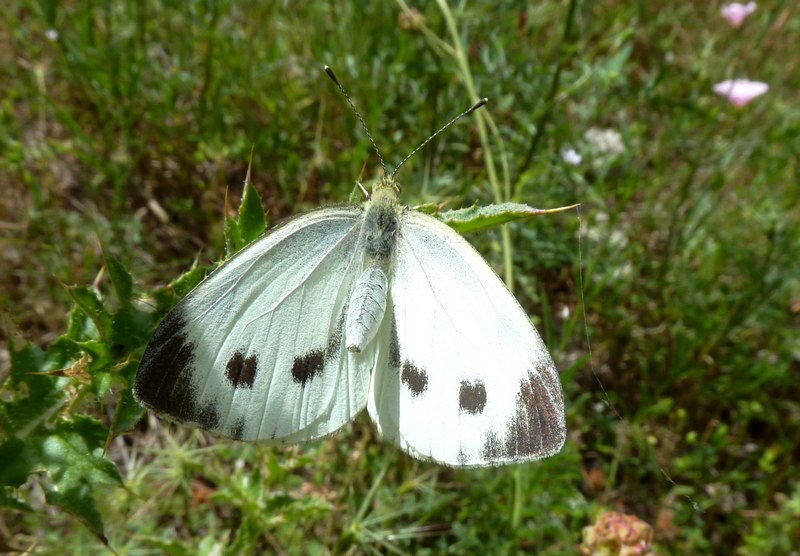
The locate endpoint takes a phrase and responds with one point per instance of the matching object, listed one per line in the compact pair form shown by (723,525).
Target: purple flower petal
(736,13)
(740,91)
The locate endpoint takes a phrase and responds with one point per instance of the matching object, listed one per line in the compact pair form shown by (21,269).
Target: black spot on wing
(241,371)
(334,346)
(472,397)
(237,429)
(207,417)
(394,346)
(492,447)
(415,379)
(536,426)
(164,379)
(307,366)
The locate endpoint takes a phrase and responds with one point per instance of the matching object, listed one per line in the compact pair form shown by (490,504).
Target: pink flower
(735,13)
(616,533)
(740,91)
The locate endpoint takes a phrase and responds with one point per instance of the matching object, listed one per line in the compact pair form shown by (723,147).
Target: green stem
(544,119)
(516,501)
(481,119)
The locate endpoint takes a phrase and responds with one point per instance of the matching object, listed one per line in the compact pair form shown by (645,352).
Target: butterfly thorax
(379,231)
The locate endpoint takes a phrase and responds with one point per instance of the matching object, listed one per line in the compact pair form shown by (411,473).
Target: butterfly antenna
(332,75)
(469,110)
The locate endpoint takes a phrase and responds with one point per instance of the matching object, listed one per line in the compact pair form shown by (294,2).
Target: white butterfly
(346,307)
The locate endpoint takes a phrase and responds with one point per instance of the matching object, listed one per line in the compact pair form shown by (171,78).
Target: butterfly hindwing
(256,351)
(463,377)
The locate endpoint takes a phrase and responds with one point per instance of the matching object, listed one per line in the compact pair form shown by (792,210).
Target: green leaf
(187,281)
(614,65)
(89,301)
(79,325)
(246,537)
(74,495)
(233,237)
(73,457)
(130,328)
(63,351)
(427,208)
(76,447)
(127,414)
(166,298)
(101,384)
(479,218)
(252,218)
(250,223)
(26,360)
(120,279)
(33,396)
(97,349)
(18,462)
(128,411)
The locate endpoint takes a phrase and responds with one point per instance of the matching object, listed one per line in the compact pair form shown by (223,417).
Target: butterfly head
(387,182)
(386,191)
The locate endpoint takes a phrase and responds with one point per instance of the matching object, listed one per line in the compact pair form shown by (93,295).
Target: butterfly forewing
(463,377)
(256,351)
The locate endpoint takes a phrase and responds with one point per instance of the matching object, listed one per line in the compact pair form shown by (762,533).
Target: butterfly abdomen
(366,308)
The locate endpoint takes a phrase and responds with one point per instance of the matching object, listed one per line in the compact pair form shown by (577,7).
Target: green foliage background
(125,123)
